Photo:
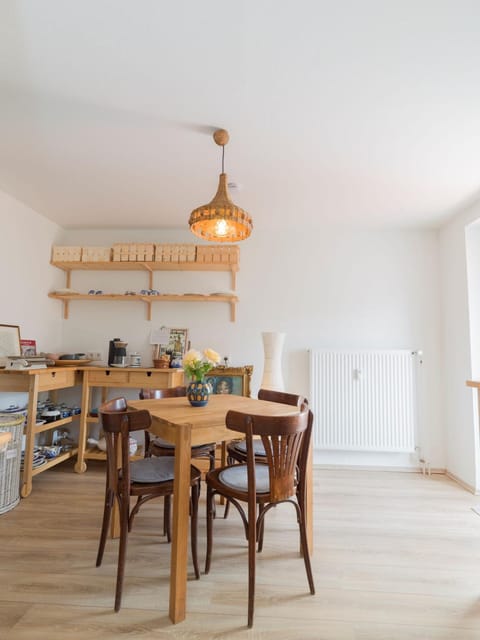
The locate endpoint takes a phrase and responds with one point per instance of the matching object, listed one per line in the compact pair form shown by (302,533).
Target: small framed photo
(28,348)
(178,341)
(235,380)
(174,341)
(9,340)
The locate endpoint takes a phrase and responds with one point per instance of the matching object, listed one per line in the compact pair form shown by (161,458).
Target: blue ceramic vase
(198,392)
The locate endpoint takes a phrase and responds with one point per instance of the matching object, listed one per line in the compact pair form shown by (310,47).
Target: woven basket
(161,363)
(10,461)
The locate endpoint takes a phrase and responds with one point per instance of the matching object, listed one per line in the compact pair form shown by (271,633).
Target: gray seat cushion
(152,469)
(160,442)
(258,448)
(235,477)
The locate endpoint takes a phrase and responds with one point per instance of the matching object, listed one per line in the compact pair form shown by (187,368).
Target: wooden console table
(33,381)
(107,378)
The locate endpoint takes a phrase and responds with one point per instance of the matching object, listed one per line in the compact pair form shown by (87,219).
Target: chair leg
(107,510)
(305,551)
(261,527)
(122,552)
(210,515)
(194,527)
(134,513)
(211,457)
(252,543)
(226,511)
(167,519)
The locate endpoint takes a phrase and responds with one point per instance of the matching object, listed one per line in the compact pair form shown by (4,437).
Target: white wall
(338,288)
(472,239)
(461,419)
(26,276)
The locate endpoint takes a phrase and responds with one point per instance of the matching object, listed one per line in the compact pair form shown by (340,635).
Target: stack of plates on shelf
(38,458)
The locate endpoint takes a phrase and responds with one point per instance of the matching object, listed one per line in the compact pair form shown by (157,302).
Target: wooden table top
(175,411)
(473,383)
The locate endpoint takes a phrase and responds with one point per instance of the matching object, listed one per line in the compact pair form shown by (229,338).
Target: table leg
(80,465)
(309,499)
(181,503)
(26,488)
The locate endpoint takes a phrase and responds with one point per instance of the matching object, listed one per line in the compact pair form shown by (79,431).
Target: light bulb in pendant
(221,228)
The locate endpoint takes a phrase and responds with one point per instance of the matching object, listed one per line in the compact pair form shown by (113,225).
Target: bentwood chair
(286,440)
(237,449)
(146,479)
(160,447)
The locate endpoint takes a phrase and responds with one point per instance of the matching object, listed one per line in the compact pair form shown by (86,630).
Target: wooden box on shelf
(66,254)
(96,254)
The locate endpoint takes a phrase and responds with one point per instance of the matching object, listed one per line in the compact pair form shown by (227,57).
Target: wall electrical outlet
(93,355)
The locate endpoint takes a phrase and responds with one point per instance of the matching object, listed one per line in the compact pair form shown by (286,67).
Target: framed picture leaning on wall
(9,340)
(234,380)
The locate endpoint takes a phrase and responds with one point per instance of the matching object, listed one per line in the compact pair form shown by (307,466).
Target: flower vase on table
(196,365)
(198,393)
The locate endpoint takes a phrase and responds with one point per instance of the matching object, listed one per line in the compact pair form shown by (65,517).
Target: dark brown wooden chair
(159,447)
(146,478)
(237,449)
(286,440)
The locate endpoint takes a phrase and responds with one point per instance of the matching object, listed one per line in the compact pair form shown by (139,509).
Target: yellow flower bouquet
(196,364)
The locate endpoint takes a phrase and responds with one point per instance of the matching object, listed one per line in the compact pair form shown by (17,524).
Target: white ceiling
(357,111)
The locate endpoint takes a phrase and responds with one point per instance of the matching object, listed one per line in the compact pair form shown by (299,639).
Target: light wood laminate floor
(397,557)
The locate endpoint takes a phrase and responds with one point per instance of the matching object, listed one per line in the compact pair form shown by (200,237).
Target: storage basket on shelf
(10,461)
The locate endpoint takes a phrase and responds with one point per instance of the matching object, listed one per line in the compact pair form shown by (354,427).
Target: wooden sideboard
(52,379)
(107,378)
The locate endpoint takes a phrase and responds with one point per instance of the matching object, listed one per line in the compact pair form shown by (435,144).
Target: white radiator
(363,400)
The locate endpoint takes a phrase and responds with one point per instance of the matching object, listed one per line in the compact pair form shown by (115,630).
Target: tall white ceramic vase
(272,368)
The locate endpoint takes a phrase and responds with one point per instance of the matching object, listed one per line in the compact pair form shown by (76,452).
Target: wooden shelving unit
(34,381)
(149,268)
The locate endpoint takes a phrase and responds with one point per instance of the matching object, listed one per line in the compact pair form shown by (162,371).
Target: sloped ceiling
(349,112)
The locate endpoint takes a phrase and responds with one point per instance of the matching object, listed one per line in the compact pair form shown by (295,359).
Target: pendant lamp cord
(223,157)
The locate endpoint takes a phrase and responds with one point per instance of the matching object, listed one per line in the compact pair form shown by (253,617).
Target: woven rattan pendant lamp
(221,220)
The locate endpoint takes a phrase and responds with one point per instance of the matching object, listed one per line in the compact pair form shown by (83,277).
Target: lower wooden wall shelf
(148,300)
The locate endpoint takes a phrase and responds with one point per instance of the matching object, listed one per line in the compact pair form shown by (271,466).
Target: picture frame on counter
(28,348)
(231,380)
(9,340)
(171,340)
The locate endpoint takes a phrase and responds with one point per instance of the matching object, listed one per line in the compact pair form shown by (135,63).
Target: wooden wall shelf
(232,267)
(148,267)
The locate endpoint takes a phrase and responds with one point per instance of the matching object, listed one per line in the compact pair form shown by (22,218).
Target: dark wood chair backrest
(282,437)
(282,397)
(156,394)
(118,422)
(116,404)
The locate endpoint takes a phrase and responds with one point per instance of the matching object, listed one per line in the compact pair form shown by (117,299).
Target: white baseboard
(463,484)
(367,467)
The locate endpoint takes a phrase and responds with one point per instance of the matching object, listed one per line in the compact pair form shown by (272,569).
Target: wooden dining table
(175,420)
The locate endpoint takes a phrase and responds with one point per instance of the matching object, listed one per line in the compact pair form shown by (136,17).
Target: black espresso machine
(117,353)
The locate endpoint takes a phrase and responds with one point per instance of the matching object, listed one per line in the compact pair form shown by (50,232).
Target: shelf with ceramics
(147,296)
